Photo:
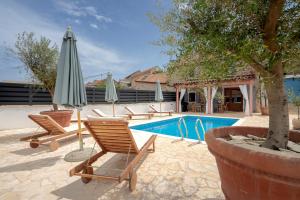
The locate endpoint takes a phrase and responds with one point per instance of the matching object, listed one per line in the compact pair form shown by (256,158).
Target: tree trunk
(278,111)
(55,107)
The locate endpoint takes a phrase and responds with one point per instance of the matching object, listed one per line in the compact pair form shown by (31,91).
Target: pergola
(245,78)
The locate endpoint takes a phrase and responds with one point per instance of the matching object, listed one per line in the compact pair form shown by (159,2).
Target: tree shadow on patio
(30,151)
(96,189)
(31,165)
(11,137)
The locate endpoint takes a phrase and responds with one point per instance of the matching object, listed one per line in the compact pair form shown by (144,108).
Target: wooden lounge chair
(113,135)
(102,114)
(132,113)
(154,110)
(54,132)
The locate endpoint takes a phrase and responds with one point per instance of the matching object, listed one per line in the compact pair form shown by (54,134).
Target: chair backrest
(112,135)
(153,108)
(99,112)
(47,123)
(129,110)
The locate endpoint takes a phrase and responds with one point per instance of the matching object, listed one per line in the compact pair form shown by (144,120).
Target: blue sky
(113,35)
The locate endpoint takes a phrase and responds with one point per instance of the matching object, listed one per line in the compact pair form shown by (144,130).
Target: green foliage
(295,100)
(213,39)
(39,58)
(102,85)
(220,98)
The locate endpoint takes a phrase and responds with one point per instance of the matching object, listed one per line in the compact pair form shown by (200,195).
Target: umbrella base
(80,155)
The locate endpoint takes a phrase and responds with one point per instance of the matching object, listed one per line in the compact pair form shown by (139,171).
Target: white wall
(15,117)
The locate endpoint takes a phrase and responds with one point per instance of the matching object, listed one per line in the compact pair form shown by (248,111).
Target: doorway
(233,99)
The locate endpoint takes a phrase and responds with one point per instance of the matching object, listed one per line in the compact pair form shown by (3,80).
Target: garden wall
(15,116)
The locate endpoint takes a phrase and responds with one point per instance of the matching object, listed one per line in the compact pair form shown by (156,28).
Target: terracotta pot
(296,124)
(62,117)
(257,173)
(264,110)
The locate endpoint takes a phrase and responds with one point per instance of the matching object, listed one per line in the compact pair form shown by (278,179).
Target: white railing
(181,120)
(197,130)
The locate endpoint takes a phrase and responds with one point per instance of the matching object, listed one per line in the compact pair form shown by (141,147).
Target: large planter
(62,117)
(296,124)
(254,174)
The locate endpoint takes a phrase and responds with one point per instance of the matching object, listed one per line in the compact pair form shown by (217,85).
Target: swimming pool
(170,127)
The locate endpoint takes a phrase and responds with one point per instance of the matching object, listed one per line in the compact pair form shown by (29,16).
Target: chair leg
(34,143)
(151,150)
(132,180)
(87,170)
(153,146)
(54,145)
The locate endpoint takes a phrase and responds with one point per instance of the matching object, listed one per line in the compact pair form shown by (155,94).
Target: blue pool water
(170,127)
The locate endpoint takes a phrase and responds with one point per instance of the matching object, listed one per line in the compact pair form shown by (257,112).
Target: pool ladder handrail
(197,130)
(181,120)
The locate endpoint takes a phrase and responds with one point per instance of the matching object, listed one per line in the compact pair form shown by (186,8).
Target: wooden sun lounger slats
(110,127)
(108,131)
(116,141)
(112,141)
(132,113)
(113,138)
(99,113)
(53,132)
(154,110)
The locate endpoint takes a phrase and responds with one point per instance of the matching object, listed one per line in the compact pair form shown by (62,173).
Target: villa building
(146,80)
(237,93)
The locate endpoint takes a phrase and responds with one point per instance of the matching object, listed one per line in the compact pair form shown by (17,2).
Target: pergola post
(251,97)
(209,99)
(177,99)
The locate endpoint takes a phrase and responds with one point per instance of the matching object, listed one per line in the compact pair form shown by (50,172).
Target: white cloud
(94,58)
(90,10)
(70,8)
(101,18)
(95,26)
(77,21)
(73,9)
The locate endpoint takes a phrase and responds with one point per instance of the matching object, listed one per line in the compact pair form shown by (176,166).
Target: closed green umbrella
(158,94)
(110,91)
(69,88)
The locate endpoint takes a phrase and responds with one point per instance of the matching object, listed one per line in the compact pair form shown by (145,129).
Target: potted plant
(40,60)
(223,37)
(221,100)
(296,102)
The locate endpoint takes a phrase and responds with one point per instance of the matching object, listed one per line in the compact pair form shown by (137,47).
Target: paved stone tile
(177,170)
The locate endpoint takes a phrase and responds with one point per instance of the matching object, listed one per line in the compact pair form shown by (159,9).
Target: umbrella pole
(160,108)
(80,154)
(79,131)
(114,109)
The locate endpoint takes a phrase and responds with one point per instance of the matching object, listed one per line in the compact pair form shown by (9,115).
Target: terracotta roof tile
(152,78)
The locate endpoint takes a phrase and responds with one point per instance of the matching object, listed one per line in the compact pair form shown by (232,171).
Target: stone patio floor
(177,170)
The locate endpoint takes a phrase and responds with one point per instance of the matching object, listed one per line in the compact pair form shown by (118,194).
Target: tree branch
(271,22)
(258,67)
